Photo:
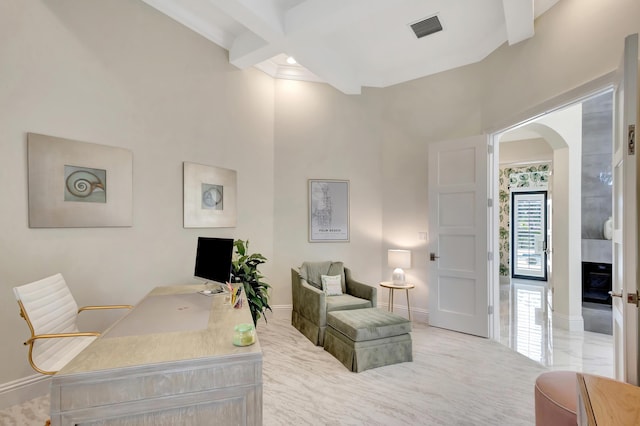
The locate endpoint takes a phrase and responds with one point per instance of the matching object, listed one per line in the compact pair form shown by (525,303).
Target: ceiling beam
(264,34)
(263,17)
(248,50)
(192,17)
(519,18)
(268,34)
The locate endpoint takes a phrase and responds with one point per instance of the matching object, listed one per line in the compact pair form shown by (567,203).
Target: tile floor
(527,327)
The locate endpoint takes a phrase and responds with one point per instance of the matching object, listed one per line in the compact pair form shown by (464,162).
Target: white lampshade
(399,259)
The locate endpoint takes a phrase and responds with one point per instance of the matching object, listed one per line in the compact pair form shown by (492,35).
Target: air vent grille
(427,26)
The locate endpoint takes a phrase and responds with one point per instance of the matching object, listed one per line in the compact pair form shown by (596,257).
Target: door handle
(433,257)
(614,294)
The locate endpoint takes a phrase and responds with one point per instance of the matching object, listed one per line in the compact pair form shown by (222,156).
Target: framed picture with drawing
(328,210)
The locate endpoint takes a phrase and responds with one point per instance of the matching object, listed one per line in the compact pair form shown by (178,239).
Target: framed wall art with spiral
(75,184)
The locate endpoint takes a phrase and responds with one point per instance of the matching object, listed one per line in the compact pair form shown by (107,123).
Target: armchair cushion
(345,302)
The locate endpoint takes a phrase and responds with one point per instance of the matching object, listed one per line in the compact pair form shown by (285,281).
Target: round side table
(391,286)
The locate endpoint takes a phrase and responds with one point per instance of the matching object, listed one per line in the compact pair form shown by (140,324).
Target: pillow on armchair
(331,284)
(312,273)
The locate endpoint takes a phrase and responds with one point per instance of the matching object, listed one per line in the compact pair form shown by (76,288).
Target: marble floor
(454,379)
(527,327)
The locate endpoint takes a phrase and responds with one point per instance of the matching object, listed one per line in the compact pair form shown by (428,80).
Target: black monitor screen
(213,259)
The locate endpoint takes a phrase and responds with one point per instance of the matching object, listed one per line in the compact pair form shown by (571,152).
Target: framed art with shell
(75,184)
(209,196)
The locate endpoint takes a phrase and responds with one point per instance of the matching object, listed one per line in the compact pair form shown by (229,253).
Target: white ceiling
(351,44)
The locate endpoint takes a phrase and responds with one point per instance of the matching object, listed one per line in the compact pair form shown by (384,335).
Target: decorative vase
(608,228)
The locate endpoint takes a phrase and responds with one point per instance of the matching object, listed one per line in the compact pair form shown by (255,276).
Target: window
(529,235)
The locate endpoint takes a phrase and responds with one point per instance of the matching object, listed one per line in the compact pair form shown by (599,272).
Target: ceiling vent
(427,26)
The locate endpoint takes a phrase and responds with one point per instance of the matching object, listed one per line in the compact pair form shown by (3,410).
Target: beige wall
(525,151)
(323,134)
(120,73)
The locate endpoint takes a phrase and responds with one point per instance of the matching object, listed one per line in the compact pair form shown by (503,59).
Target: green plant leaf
(245,270)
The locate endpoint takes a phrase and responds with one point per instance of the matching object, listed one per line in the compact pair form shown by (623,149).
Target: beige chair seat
(346,302)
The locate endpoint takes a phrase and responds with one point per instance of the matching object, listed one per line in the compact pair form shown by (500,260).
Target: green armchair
(311,303)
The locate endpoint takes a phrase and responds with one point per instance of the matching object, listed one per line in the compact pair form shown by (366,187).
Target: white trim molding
(567,322)
(24,389)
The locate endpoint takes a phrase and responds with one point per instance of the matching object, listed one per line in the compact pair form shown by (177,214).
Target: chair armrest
(308,301)
(358,289)
(58,335)
(96,308)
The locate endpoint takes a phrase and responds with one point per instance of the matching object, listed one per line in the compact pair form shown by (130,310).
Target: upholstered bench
(556,398)
(368,338)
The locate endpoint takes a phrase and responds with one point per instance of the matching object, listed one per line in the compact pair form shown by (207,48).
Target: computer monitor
(213,259)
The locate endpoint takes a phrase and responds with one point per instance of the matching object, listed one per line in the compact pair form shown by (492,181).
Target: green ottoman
(368,338)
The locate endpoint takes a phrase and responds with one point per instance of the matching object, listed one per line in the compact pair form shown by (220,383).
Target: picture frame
(328,210)
(74,184)
(210,196)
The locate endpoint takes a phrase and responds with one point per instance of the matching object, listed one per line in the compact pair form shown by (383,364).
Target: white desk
(170,361)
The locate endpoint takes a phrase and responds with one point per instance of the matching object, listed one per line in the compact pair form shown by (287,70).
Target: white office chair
(51,312)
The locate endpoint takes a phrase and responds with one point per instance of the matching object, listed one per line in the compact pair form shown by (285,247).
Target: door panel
(458,295)
(451,214)
(454,296)
(457,253)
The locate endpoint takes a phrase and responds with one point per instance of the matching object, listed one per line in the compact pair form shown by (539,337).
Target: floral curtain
(536,177)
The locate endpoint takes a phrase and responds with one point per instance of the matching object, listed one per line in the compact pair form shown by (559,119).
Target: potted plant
(244,268)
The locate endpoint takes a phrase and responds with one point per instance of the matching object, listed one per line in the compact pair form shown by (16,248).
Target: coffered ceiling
(351,44)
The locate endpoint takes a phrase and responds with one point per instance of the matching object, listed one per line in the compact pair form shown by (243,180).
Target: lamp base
(398,276)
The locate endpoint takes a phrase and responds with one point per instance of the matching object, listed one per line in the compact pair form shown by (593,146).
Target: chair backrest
(312,271)
(48,307)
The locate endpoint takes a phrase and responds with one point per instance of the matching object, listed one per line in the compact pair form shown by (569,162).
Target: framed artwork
(75,184)
(328,210)
(209,196)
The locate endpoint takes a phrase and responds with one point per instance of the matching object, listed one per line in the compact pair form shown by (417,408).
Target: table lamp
(398,259)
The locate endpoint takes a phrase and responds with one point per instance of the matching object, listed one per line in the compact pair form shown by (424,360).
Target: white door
(458,295)
(625,253)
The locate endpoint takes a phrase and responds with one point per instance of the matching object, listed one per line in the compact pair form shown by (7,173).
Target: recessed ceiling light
(291,60)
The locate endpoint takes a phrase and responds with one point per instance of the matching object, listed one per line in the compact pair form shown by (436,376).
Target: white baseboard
(417,314)
(566,322)
(280,312)
(24,389)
